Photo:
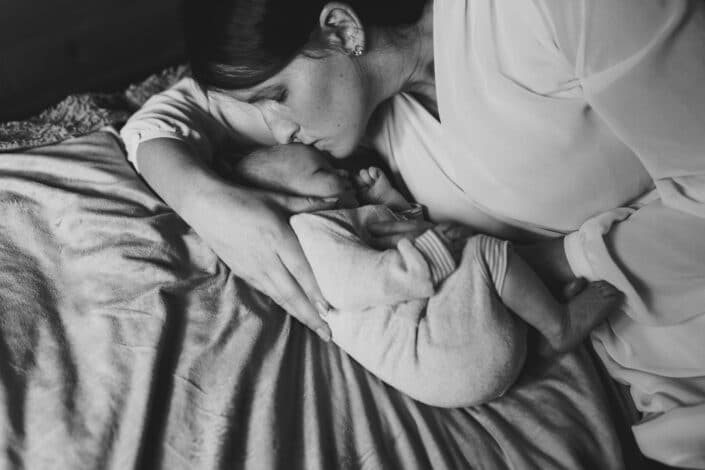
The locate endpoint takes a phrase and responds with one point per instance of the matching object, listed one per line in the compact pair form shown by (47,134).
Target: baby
(430,316)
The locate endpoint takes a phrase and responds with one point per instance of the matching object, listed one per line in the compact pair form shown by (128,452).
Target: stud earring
(358,50)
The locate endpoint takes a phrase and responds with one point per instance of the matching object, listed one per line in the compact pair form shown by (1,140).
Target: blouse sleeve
(642,68)
(182,113)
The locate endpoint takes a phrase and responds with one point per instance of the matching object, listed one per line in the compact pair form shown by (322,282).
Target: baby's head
(296,169)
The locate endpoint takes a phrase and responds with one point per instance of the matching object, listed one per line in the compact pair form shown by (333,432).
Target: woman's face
(315,101)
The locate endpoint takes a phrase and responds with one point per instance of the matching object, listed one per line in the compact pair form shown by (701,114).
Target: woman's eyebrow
(268,92)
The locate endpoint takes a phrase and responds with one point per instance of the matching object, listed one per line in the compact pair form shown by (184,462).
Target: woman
(521,119)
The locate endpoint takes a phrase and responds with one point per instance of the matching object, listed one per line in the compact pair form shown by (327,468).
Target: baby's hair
(235,44)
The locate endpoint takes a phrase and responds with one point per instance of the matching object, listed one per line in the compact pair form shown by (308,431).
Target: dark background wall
(50,48)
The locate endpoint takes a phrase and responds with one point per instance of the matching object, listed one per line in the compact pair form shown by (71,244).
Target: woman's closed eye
(276,93)
(282,95)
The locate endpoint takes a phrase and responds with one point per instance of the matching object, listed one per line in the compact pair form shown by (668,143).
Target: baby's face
(302,170)
(311,173)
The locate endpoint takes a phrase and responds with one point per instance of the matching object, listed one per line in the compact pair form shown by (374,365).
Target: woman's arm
(171,141)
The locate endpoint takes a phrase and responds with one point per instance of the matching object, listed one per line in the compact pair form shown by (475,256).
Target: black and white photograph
(352,235)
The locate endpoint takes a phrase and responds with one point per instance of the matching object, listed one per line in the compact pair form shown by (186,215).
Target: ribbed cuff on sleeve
(440,261)
(575,254)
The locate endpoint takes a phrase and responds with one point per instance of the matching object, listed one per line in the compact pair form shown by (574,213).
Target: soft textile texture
(125,343)
(81,114)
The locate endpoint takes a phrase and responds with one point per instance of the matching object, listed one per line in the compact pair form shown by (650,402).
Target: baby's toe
(607,290)
(374,172)
(362,178)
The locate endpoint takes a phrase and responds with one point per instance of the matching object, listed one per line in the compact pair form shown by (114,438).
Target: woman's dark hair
(233,44)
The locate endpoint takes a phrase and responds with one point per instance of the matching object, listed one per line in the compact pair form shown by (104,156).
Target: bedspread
(125,343)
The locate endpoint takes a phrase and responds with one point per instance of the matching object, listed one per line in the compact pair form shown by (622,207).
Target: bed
(126,343)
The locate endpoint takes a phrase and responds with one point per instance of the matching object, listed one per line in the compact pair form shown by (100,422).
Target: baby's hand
(373,187)
(455,237)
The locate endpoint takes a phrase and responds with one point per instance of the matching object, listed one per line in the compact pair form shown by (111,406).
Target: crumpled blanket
(126,344)
(81,114)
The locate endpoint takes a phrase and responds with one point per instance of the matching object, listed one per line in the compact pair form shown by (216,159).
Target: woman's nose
(283,130)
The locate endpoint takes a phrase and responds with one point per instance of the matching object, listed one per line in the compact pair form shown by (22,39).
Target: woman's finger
(288,294)
(394,227)
(297,204)
(292,257)
(299,278)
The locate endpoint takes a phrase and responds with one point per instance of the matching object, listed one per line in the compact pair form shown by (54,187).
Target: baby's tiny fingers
(366,176)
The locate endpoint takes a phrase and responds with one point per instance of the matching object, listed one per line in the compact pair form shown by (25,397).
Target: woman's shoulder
(598,34)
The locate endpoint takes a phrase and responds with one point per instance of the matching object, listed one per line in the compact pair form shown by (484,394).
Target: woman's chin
(339,152)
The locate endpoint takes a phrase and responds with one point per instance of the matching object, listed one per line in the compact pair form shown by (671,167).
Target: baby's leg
(374,188)
(563,325)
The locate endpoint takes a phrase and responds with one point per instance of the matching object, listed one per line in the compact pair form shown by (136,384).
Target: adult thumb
(297,204)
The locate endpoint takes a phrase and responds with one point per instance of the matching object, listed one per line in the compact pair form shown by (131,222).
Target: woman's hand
(249,230)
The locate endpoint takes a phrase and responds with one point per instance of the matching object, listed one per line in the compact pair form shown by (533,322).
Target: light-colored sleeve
(181,112)
(354,276)
(641,65)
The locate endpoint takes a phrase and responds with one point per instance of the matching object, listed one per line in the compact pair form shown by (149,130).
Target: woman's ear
(341,28)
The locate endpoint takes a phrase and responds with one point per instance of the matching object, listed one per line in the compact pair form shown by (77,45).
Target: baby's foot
(373,187)
(584,312)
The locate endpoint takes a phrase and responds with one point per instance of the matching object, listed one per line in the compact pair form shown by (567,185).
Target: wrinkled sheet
(125,343)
